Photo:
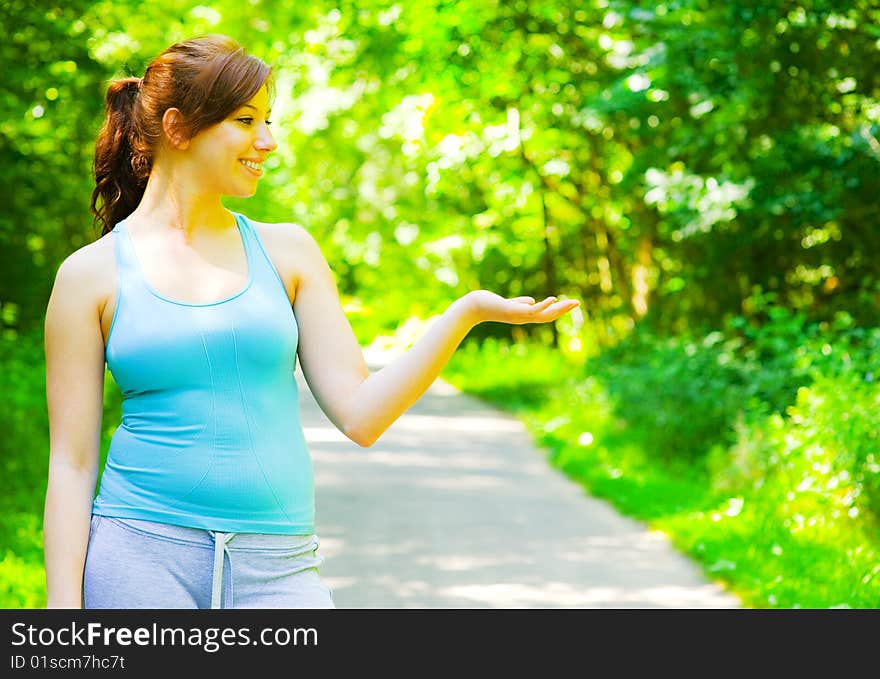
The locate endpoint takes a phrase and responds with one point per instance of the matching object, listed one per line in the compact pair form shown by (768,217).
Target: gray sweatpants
(132,563)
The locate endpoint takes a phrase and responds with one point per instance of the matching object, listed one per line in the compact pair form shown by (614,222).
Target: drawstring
(220,542)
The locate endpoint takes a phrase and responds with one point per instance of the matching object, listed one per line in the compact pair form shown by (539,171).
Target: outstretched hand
(489,306)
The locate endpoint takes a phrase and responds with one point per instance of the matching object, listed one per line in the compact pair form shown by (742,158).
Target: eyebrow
(268,110)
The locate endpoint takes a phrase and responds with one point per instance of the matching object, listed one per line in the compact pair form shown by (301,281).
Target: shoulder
(73,335)
(90,270)
(292,249)
(284,233)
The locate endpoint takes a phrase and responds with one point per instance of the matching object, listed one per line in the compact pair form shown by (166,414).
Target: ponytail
(121,164)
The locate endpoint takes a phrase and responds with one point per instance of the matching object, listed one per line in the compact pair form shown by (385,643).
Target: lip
(256,173)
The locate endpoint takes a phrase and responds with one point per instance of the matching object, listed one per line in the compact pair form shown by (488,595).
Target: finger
(553,311)
(564,302)
(564,307)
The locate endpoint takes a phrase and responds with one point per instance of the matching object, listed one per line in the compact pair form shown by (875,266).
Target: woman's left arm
(363,405)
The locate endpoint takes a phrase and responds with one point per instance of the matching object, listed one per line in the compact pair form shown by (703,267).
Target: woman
(200,314)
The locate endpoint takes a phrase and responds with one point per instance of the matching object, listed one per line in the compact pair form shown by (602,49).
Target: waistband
(221,543)
(200,537)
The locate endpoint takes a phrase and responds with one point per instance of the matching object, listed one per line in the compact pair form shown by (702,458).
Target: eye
(248,121)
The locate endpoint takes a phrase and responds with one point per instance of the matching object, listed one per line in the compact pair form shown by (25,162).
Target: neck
(171,200)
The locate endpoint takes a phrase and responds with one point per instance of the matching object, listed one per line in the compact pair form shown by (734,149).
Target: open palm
(490,306)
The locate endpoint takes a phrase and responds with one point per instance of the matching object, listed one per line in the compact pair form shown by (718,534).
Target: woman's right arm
(74,393)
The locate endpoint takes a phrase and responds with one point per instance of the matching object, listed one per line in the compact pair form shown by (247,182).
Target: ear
(172,123)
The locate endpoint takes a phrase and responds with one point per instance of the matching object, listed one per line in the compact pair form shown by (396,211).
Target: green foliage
(685,396)
(23,417)
(50,102)
(24,463)
(665,160)
(827,448)
(779,351)
(681,396)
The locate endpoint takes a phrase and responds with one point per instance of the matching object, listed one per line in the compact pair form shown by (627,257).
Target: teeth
(252,165)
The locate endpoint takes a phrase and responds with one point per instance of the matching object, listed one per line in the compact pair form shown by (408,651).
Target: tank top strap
(265,272)
(126,260)
(121,245)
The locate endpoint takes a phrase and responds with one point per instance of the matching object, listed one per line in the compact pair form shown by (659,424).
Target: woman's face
(228,156)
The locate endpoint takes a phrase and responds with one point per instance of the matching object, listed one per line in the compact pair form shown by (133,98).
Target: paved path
(454,507)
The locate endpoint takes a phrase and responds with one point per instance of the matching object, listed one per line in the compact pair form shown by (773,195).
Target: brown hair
(206,78)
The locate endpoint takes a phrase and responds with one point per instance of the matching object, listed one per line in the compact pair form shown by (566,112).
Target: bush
(23,418)
(785,352)
(681,396)
(685,396)
(826,453)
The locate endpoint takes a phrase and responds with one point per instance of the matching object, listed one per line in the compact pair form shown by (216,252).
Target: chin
(240,192)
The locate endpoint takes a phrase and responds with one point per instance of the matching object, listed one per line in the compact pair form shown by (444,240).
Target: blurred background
(703,176)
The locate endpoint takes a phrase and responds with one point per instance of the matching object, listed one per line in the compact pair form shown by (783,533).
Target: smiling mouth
(253,168)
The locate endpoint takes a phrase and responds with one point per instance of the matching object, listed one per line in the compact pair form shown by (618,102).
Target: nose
(265,141)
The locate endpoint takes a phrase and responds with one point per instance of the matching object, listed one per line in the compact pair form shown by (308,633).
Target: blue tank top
(211,435)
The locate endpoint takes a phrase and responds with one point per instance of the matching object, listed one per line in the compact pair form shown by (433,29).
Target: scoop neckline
(122,226)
